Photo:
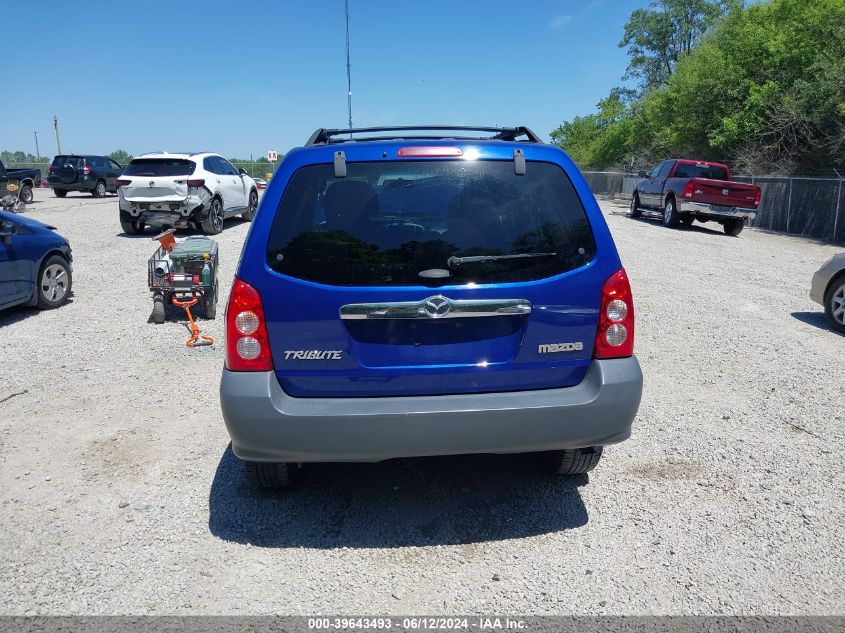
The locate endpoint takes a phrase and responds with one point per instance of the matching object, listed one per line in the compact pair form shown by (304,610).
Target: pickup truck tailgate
(725,193)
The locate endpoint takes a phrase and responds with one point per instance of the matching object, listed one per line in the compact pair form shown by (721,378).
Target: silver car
(828,289)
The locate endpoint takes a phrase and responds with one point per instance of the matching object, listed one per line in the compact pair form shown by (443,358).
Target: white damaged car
(183,191)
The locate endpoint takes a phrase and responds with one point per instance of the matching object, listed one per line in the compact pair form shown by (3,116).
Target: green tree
(121,157)
(763,88)
(787,107)
(774,77)
(12,158)
(659,36)
(597,139)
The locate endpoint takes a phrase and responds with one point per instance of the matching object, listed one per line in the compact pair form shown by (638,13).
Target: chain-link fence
(257,169)
(812,207)
(611,183)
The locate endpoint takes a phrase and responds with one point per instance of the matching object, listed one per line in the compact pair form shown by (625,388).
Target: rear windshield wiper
(454,262)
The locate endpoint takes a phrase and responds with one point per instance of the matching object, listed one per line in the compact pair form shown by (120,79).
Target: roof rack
(324,136)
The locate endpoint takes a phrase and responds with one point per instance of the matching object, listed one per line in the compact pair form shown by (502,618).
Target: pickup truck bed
(22,182)
(725,193)
(685,191)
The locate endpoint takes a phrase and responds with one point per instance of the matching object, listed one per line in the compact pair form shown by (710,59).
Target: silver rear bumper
(700,208)
(266,424)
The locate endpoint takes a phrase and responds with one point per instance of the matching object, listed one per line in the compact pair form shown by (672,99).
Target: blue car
(427,291)
(35,263)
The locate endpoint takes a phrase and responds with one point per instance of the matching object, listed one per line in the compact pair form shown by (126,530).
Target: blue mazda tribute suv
(421,291)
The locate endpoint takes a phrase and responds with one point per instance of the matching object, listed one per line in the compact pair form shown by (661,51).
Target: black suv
(95,174)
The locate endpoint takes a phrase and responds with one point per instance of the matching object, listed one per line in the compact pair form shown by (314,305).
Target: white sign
(272,156)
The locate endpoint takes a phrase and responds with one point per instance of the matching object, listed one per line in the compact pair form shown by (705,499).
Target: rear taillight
(122,182)
(197,182)
(615,335)
(757,197)
(86,170)
(247,343)
(50,169)
(689,189)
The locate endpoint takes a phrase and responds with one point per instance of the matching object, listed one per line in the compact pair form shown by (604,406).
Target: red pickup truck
(683,191)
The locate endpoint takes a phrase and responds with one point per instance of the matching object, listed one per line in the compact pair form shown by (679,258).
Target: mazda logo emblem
(725,192)
(436,307)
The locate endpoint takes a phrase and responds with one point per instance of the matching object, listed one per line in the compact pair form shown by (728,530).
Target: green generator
(184,270)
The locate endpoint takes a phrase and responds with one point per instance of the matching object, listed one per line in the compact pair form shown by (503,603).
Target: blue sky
(244,77)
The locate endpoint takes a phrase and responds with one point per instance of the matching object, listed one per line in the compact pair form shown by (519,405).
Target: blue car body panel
(21,257)
(379,359)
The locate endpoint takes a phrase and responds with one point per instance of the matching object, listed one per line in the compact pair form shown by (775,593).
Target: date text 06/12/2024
(417,623)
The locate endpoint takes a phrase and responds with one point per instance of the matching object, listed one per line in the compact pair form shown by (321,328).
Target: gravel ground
(120,496)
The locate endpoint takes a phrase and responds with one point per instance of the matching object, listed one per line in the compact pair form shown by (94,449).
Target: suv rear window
(714,172)
(160,167)
(387,222)
(76,161)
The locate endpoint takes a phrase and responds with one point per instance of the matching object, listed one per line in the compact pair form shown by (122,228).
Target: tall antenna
(348,68)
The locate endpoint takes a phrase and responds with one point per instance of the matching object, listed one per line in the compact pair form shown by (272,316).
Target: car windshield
(688,170)
(399,222)
(160,167)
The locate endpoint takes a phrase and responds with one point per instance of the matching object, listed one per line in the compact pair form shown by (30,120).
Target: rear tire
(209,304)
(575,461)
(212,221)
(60,193)
(635,205)
(25,195)
(130,225)
(269,475)
(99,191)
(253,204)
(671,217)
(158,310)
(834,303)
(734,227)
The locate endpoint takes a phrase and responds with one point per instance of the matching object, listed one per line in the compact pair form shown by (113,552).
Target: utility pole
(58,141)
(37,153)
(348,68)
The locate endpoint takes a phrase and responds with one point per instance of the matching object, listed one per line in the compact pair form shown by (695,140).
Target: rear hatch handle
(436,307)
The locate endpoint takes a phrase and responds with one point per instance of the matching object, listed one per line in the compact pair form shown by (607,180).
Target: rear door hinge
(519,162)
(340,165)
